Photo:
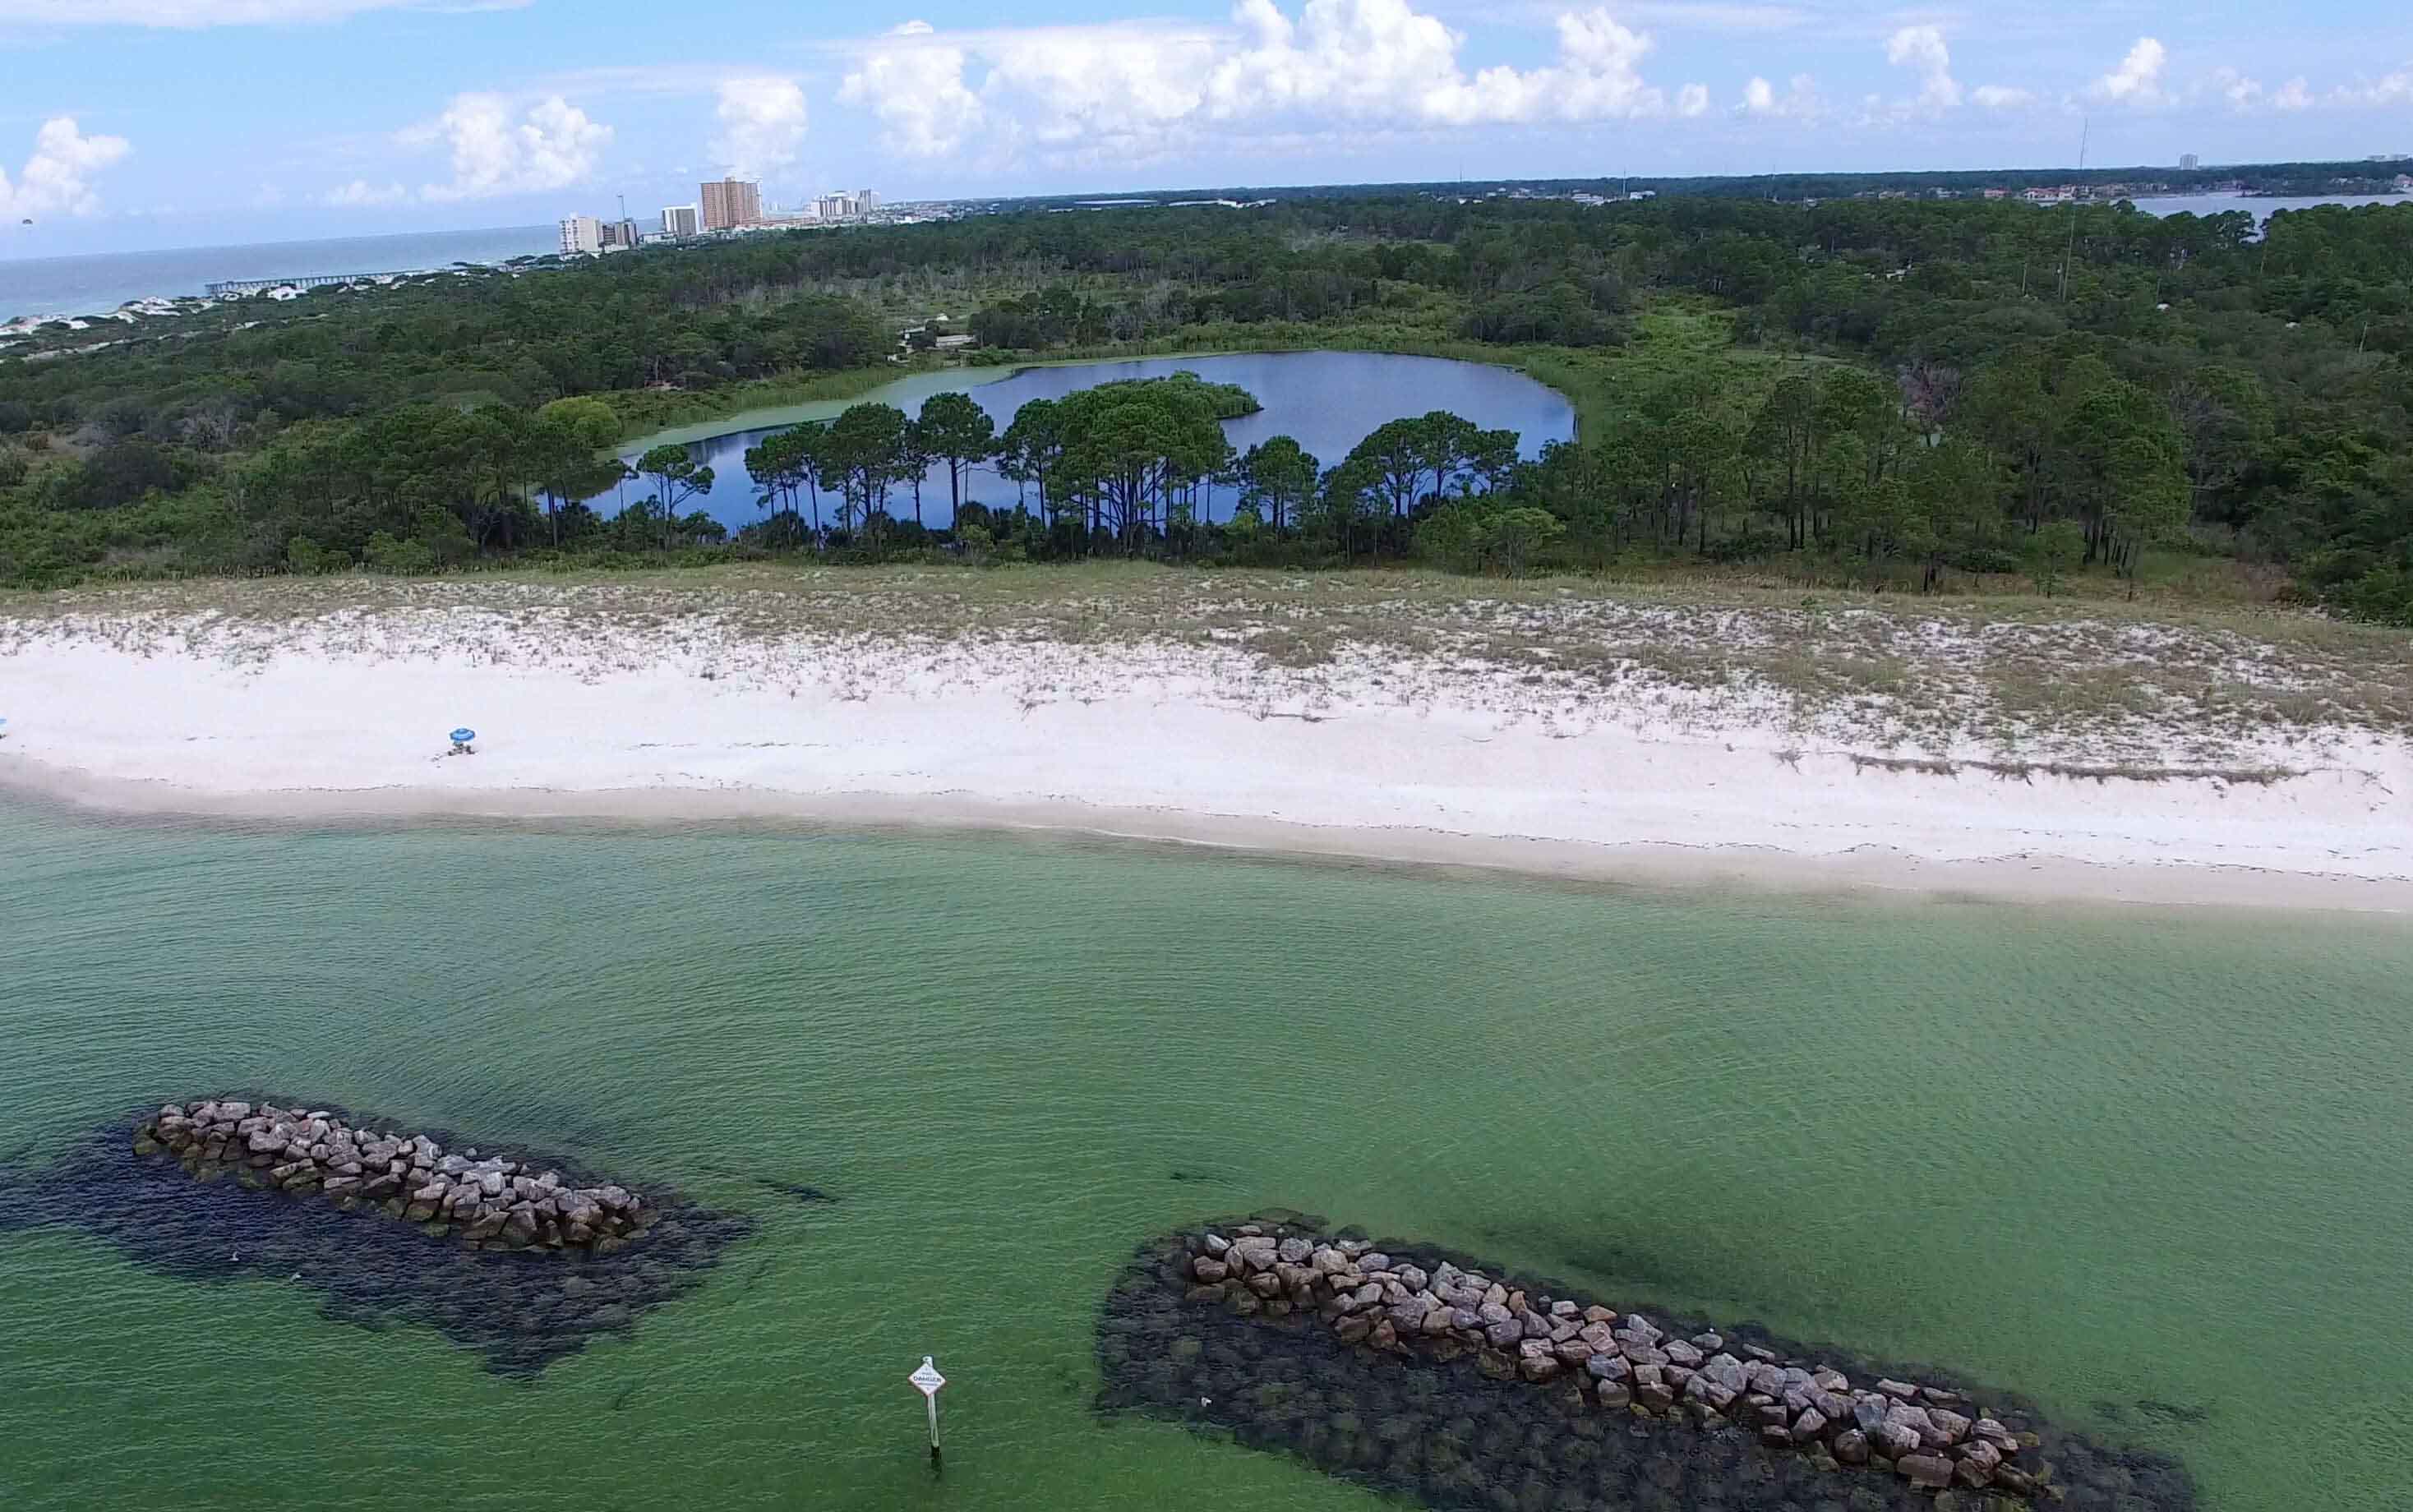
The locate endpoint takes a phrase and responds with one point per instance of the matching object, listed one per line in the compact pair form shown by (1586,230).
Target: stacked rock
(493,1203)
(1930,1435)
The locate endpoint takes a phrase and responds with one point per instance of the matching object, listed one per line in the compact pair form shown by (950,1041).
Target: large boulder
(1727,1372)
(1929,1472)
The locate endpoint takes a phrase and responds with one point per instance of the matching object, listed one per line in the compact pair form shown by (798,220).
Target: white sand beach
(1411,749)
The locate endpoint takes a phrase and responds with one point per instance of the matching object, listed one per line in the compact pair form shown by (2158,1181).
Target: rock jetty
(1451,1381)
(522,1297)
(494,1202)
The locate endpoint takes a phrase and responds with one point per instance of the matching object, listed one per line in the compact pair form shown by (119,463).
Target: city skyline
(398,118)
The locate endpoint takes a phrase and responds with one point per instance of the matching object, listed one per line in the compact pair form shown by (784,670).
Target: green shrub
(402,558)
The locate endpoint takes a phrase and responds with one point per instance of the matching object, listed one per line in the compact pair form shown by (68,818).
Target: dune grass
(2029,684)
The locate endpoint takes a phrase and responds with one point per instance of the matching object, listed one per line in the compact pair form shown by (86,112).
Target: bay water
(2150,1167)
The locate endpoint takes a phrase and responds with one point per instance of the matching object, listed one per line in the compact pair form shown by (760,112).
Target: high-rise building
(682,221)
(2189,162)
(865,203)
(619,234)
(730,203)
(581,236)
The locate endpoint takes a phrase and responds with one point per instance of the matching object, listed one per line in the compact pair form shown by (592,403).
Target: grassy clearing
(2012,687)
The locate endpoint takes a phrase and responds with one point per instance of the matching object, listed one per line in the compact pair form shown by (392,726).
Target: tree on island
(959,432)
(784,466)
(676,478)
(1278,479)
(913,459)
(1031,447)
(864,453)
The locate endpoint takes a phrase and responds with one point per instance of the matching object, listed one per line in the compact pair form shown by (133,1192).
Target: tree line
(1921,388)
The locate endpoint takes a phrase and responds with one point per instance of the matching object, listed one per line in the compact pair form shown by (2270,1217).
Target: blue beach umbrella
(464,735)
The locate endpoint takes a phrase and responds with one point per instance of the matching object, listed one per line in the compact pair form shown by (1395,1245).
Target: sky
(130,124)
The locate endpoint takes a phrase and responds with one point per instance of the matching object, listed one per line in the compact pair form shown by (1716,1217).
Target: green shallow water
(2106,1156)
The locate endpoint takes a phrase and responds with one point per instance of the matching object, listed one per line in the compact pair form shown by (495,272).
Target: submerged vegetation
(1887,392)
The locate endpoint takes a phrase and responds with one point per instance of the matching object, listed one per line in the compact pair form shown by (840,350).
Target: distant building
(728,203)
(581,236)
(619,235)
(1998,194)
(865,203)
(682,221)
(2189,162)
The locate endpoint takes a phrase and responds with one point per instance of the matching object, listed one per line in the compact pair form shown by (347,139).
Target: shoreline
(1417,737)
(1869,872)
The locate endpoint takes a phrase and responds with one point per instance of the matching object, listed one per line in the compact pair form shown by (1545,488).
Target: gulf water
(2153,1167)
(97,283)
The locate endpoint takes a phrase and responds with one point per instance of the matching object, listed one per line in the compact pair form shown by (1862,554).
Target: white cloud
(2393,89)
(190,14)
(1692,100)
(2242,93)
(2001,97)
(2138,80)
(1125,91)
(553,146)
(57,178)
(1921,50)
(1798,102)
(1381,63)
(763,123)
(360,193)
(917,93)
(2294,95)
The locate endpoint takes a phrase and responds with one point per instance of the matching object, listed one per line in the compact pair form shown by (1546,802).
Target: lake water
(2262,208)
(1328,401)
(2151,1167)
(97,283)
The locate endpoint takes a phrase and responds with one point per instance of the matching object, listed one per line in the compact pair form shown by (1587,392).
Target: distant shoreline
(153,275)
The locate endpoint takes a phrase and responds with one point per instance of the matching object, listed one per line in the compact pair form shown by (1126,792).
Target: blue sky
(130,124)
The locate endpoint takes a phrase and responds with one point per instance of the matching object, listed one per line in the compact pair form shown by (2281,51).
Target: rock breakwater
(1430,1374)
(495,1201)
(218,1221)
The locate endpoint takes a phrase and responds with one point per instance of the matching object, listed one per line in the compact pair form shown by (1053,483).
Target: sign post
(927,1381)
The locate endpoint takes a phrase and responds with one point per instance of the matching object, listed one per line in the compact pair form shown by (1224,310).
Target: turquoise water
(1326,401)
(2107,1156)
